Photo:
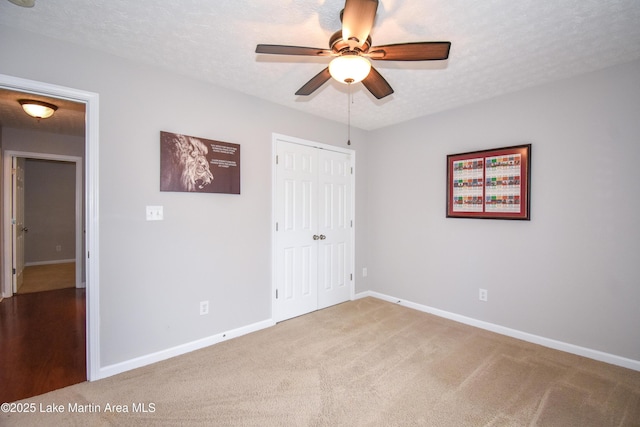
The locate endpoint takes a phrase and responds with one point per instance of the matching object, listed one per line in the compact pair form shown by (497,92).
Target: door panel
(335,225)
(296,251)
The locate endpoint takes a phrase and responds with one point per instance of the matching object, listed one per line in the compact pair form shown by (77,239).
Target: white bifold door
(314,228)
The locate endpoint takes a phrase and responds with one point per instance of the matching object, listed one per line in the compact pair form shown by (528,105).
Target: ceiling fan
(351,48)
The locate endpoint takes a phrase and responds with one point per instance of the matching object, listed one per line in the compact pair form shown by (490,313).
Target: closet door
(313,254)
(296,254)
(334,228)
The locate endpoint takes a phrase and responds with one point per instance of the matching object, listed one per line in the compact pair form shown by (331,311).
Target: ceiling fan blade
(418,51)
(315,83)
(276,49)
(377,85)
(357,20)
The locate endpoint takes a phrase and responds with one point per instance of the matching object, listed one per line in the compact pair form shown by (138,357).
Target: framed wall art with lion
(198,165)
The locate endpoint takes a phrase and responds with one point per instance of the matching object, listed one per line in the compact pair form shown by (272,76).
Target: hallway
(47,277)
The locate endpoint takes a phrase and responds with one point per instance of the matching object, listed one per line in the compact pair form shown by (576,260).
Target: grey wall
(572,273)
(212,247)
(33,141)
(50,197)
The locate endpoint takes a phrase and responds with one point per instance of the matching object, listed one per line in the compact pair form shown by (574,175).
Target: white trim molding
(91,101)
(56,261)
(158,356)
(513,333)
(8,278)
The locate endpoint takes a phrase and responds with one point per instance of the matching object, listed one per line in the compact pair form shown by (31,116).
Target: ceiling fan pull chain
(349,113)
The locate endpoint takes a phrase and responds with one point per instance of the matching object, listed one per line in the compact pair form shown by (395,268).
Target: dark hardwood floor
(42,342)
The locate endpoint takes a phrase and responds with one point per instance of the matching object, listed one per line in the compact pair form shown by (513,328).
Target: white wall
(210,246)
(572,273)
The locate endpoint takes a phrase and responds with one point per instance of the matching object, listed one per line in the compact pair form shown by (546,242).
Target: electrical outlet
(364,272)
(58,248)
(483,295)
(204,307)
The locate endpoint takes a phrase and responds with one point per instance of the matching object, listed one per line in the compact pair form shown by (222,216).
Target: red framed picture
(490,184)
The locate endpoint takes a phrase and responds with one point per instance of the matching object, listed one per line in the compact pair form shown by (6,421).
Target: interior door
(18,221)
(296,250)
(313,254)
(334,227)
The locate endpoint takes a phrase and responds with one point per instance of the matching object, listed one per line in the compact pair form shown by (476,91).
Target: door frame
(274,145)
(91,174)
(8,247)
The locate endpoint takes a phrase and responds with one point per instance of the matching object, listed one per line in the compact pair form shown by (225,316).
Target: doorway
(314,231)
(88,235)
(16,210)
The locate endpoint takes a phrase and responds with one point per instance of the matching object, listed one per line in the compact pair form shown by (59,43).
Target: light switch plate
(155,213)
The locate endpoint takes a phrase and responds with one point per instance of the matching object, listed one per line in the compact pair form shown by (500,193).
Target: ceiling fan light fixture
(352,48)
(349,69)
(38,109)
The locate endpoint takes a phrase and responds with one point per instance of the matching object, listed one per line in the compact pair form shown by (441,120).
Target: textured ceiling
(69,119)
(498,46)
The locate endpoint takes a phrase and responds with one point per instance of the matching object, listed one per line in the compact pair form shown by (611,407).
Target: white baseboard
(55,261)
(148,359)
(546,342)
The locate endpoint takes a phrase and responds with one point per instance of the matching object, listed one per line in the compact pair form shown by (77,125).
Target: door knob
(25,229)
(316,237)
(322,237)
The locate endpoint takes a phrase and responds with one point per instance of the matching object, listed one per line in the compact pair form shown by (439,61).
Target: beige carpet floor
(48,277)
(361,363)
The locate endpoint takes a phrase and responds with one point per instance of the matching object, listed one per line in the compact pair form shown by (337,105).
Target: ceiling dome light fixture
(349,68)
(24,3)
(37,109)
